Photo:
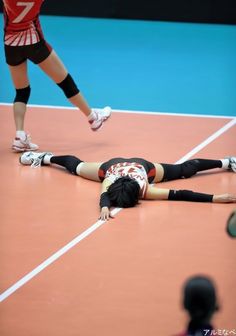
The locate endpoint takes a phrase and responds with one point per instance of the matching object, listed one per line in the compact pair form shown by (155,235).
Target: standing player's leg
(168,172)
(22,141)
(56,70)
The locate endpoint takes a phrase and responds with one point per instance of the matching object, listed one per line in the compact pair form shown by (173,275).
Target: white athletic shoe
(33,159)
(22,145)
(232,163)
(101,117)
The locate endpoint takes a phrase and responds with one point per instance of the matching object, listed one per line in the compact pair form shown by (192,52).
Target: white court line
(208,140)
(54,257)
(133,111)
(99,223)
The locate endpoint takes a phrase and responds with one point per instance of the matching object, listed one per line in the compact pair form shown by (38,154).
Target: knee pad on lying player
(177,171)
(189,168)
(68,86)
(70,162)
(22,95)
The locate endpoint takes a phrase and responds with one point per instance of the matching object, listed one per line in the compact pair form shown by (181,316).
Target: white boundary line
(208,140)
(54,257)
(133,112)
(99,223)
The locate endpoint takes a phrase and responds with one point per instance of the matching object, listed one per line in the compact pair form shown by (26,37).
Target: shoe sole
(233,169)
(100,126)
(22,149)
(231,164)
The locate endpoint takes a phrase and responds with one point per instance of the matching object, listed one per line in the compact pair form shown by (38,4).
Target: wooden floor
(124,277)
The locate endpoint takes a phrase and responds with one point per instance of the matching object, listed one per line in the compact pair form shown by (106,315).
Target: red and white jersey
(21,22)
(133,170)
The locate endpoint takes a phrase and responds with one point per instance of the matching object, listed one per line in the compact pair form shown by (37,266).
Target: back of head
(124,192)
(200,298)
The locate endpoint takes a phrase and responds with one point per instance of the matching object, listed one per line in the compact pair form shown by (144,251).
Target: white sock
(20,134)
(78,169)
(92,116)
(225,163)
(47,158)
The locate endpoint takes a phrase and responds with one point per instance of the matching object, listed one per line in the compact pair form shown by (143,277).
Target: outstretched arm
(104,200)
(187,195)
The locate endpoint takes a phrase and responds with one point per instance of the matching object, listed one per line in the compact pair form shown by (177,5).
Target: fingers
(105,218)
(225,198)
(233,199)
(230,198)
(105,214)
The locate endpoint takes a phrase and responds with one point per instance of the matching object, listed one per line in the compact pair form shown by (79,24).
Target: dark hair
(200,298)
(124,192)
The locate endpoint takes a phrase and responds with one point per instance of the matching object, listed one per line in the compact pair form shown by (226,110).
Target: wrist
(216,199)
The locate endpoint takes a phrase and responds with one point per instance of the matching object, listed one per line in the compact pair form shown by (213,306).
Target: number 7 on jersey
(27,7)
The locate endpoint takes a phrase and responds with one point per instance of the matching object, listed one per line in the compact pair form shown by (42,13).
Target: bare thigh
(159,172)
(54,68)
(89,170)
(19,75)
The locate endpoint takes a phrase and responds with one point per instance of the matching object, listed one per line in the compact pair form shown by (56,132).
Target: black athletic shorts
(148,166)
(36,53)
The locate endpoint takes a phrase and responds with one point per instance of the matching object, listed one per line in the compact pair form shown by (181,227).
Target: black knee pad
(22,95)
(70,162)
(189,168)
(68,86)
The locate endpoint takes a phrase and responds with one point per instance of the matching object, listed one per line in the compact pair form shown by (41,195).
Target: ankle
(20,134)
(47,159)
(92,116)
(225,163)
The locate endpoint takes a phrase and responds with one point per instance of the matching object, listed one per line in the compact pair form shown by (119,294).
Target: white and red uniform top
(21,22)
(133,170)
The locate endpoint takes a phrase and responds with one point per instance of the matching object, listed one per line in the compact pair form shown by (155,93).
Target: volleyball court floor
(64,272)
